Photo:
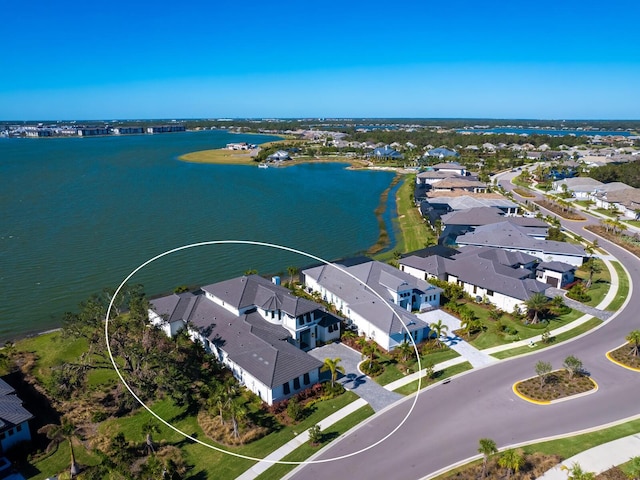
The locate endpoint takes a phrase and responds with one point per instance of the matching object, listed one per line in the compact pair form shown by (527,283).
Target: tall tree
(593,267)
(333,366)
(291,270)
(487,448)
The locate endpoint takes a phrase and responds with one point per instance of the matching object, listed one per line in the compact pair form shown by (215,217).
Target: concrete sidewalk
(600,458)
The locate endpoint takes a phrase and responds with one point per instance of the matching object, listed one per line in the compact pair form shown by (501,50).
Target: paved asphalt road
(448,420)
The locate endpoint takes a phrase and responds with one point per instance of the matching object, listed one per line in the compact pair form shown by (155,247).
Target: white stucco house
(257,329)
(500,277)
(384,316)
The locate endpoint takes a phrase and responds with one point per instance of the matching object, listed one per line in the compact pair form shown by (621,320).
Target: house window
(286,389)
(300,321)
(306,379)
(19,428)
(2,435)
(489,293)
(296,383)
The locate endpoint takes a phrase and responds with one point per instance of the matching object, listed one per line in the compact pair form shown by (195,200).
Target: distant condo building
(128,130)
(166,128)
(90,131)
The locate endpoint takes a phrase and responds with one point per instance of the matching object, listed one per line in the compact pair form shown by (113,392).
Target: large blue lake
(79,214)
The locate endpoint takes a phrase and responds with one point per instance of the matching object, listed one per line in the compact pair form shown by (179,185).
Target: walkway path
(354,380)
(600,458)
(475,357)
(581,307)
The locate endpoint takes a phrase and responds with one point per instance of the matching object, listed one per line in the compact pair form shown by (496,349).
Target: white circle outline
(213,447)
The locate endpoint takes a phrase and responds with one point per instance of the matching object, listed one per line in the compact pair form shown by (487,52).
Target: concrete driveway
(354,380)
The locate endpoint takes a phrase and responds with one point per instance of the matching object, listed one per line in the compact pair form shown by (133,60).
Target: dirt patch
(624,356)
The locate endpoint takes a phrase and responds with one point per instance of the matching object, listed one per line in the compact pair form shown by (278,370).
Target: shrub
(295,411)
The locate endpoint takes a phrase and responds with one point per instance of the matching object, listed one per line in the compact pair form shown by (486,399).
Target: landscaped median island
(628,355)
(549,386)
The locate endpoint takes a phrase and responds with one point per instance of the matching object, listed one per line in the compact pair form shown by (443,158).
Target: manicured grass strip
(305,451)
(410,388)
(623,288)
(392,373)
(574,332)
(524,192)
(59,460)
(415,232)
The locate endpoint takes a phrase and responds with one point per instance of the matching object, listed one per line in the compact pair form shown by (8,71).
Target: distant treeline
(349,125)
(628,173)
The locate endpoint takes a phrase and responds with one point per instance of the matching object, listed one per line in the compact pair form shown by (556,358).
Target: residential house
(453,184)
(502,278)
(512,237)
(279,156)
(625,200)
(556,274)
(14,418)
(377,299)
(386,152)
(580,187)
(258,329)
(441,153)
(459,222)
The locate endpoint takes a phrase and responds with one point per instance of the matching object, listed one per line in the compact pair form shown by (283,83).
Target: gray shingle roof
(507,235)
(486,273)
(243,292)
(11,410)
(257,346)
(378,277)
(560,267)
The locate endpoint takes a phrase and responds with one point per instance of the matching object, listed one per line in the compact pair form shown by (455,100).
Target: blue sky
(191,59)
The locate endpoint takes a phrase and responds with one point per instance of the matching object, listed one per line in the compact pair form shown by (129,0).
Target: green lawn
(492,337)
(392,373)
(623,287)
(416,234)
(305,451)
(605,212)
(410,388)
(574,332)
(635,223)
(600,284)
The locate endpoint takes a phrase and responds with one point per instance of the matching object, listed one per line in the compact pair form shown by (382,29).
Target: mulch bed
(624,356)
(559,211)
(535,465)
(558,385)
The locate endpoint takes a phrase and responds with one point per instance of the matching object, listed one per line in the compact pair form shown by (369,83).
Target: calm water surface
(77,215)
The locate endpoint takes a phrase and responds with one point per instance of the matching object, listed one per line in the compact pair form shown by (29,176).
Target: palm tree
(634,338)
(404,350)
(576,472)
(512,461)
(291,270)
(333,365)
(58,433)
(439,329)
(369,351)
(487,448)
(593,266)
(237,411)
(536,304)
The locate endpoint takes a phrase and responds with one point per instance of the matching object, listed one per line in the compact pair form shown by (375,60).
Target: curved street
(448,420)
